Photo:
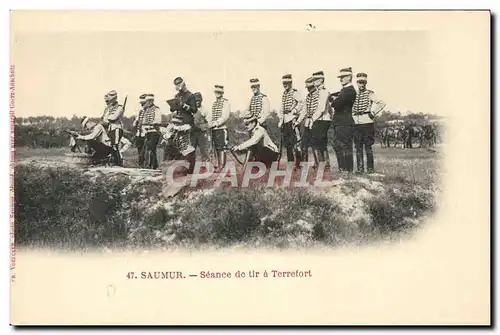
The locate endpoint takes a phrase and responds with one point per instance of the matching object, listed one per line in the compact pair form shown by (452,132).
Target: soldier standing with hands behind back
(343,122)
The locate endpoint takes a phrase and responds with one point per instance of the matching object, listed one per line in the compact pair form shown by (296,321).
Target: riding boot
(191,159)
(369,159)
(222,162)
(360,168)
(316,158)
(349,160)
(289,154)
(340,159)
(327,158)
(298,158)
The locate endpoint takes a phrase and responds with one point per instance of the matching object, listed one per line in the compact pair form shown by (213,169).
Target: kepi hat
(219,88)
(254,82)
(178,81)
(345,72)
(310,82)
(361,77)
(287,78)
(85,120)
(318,75)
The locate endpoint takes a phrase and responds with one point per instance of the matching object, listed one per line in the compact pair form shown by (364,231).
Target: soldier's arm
(95,132)
(264,113)
(157,119)
(299,106)
(256,137)
(378,104)
(190,105)
(226,110)
(116,114)
(322,101)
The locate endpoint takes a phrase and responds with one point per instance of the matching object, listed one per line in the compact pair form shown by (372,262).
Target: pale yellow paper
(440,276)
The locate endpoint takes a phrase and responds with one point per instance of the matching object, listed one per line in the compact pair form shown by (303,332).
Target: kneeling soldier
(259,147)
(178,134)
(97,141)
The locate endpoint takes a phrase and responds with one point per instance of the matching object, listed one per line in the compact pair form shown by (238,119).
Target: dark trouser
(100,151)
(343,147)
(151,159)
(199,139)
(263,154)
(220,141)
(140,141)
(290,138)
(116,136)
(364,138)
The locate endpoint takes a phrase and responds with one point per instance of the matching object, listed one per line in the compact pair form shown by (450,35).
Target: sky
(67,73)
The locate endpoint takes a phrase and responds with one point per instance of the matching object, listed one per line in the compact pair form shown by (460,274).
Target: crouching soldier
(178,137)
(97,141)
(259,147)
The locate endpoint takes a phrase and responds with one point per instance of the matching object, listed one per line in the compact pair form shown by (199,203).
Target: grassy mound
(70,209)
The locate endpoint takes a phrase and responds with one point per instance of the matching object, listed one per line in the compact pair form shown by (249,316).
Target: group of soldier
(304,124)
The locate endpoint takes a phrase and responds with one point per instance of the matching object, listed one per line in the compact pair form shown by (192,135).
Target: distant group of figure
(304,123)
(425,135)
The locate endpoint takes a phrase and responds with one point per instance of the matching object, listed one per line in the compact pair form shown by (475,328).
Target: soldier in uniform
(221,110)
(98,141)
(140,133)
(325,121)
(259,147)
(291,108)
(187,102)
(342,103)
(313,130)
(178,137)
(199,136)
(364,112)
(112,120)
(147,136)
(259,103)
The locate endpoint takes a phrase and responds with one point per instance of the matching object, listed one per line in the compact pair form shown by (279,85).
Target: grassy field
(66,208)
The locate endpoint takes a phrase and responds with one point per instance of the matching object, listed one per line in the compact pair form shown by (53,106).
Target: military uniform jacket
(188,98)
(259,106)
(365,107)
(114,116)
(221,109)
(147,118)
(324,105)
(342,106)
(291,106)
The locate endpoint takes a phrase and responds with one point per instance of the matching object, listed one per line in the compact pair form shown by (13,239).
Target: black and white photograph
(243,132)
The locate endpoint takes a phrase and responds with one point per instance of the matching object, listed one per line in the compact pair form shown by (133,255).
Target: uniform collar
(347,85)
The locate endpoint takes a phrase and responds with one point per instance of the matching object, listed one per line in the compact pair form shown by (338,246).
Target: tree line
(48,131)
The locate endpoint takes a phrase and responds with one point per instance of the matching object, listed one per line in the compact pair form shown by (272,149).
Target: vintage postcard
(250,167)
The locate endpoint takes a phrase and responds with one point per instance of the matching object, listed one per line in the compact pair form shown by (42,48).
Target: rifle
(73,134)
